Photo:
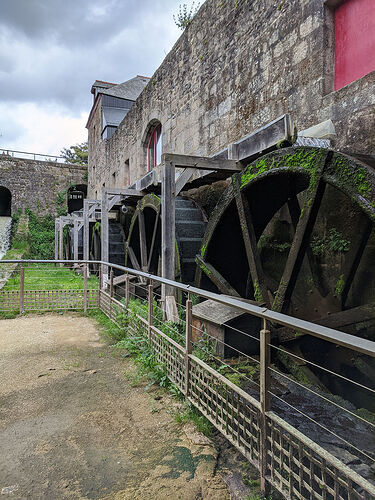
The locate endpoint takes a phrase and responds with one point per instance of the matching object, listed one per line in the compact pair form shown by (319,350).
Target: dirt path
(73,426)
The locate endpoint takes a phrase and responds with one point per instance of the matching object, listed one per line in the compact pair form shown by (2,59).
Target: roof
(127,90)
(215,313)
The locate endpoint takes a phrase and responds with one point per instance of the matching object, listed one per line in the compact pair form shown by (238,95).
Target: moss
(257,293)
(339,285)
(357,178)
(307,158)
(203,250)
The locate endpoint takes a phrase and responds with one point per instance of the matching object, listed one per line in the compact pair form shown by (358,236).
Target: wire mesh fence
(249,397)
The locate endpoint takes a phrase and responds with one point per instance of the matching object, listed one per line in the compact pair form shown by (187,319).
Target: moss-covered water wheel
(144,238)
(294,231)
(116,238)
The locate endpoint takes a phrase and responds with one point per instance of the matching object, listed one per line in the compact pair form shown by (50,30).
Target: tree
(184,15)
(76,154)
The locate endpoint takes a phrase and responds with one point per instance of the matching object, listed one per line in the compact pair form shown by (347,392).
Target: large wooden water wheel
(144,238)
(294,231)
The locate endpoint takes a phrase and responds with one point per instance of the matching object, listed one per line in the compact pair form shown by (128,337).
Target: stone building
(239,65)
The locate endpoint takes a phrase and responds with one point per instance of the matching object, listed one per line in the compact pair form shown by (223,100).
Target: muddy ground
(73,424)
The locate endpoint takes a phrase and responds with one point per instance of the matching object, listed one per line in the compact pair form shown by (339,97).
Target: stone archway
(5,202)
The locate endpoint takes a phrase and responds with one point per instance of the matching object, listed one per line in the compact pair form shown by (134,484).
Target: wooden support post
(150,308)
(127,291)
(104,236)
(85,288)
(265,403)
(86,231)
(56,239)
(189,343)
(75,241)
(168,237)
(61,240)
(22,289)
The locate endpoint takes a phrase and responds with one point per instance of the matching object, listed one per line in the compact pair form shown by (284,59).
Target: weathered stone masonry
(36,184)
(240,64)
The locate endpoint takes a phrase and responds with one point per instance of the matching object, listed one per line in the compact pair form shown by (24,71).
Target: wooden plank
(253,257)
(216,278)
(201,162)
(124,192)
(154,233)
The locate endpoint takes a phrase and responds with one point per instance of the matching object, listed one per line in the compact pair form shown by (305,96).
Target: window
(114,179)
(354,40)
(154,148)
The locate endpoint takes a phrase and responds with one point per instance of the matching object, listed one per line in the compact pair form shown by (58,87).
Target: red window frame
(152,146)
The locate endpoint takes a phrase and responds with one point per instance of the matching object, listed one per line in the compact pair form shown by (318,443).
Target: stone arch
(5,202)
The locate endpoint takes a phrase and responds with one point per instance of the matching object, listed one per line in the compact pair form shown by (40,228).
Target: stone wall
(239,65)
(35,184)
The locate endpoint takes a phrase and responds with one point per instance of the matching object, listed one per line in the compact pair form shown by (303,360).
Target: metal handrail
(34,155)
(334,336)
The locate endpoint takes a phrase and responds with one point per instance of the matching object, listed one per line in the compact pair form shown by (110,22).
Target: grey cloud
(59,47)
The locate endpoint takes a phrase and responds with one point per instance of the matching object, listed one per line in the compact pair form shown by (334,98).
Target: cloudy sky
(51,52)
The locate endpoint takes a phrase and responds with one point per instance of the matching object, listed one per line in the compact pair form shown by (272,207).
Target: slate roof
(113,116)
(127,90)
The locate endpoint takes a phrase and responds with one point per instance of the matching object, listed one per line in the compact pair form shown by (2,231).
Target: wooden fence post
(150,308)
(22,289)
(189,342)
(85,288)
(265,403)
(127,291)
(100,286)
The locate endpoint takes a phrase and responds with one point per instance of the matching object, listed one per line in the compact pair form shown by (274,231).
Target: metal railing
(31,156)
(243,399)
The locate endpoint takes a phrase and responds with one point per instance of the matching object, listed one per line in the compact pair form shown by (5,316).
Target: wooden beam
(201,163)
(142,240)
(183,178)
(56,239)
(216,278)
(86,231)
(168,226)
(75,239)
(124,192)
(104,236)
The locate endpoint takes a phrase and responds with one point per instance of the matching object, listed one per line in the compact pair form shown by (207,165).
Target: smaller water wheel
(143,247)
(116,244)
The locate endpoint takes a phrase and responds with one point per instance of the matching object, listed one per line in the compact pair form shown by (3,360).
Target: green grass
(49,277)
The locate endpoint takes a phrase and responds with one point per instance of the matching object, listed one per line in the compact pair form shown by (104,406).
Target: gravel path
(74,425)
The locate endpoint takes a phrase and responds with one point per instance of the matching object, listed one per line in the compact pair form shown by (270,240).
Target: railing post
(265,403)
(100,285)
(150,308)
(22,289)
(85,288)
(189,342)
(110,291)
(127,291)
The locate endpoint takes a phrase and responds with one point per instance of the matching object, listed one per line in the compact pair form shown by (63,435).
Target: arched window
(154,148)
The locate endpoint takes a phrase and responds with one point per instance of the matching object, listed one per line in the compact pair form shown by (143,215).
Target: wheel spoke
(343,320)
(153,240)
(253,257)
(216,278)
(295,212)
(133,259)
(365,234)
(302,235)
(142,240)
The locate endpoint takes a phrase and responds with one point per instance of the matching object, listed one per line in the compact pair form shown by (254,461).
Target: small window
(154,148)
(114,179)
(354,41)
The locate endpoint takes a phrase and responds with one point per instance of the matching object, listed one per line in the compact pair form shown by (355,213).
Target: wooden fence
(286,459)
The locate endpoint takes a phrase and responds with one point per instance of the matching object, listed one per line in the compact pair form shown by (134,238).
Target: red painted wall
(354,41)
